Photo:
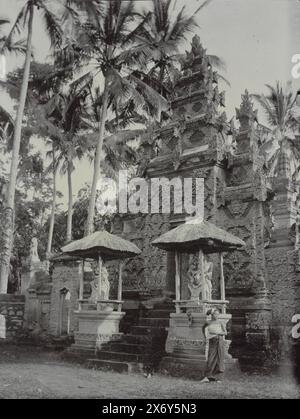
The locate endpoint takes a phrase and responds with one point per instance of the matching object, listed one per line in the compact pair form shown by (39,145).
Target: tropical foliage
(279,106)
(112,72)
(25,18)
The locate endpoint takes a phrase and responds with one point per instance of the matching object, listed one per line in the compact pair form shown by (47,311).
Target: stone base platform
(185,345)
(96,329)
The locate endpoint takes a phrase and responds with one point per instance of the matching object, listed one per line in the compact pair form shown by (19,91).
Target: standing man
(214,332)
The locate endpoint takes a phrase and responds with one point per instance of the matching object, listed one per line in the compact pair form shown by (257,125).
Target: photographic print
(149,202)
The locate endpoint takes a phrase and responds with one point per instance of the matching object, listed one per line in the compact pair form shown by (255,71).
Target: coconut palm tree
(116,49)
(165,32)
(54,166)
(59,121)
(279,106)
(72,144)
(24,19)
(70,151)
(53,112)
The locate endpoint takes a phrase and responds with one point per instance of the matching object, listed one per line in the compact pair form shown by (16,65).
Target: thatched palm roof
(198,234)
(104,244)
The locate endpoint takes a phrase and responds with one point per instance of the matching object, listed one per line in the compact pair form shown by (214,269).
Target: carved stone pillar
(244,212)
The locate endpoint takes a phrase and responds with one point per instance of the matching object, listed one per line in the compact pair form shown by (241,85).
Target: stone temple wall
(148,271)
(12,309)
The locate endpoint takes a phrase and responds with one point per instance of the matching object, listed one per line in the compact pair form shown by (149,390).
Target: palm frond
(4,21)
(151,96)
(18,47)
(83,82)
(93,9)
(204,4)
(138,31)
(220,77)
(217,62)
(182,26)
(122,90)
(267,107)
(278,106)
(53,25)
(135,56)
(16,28)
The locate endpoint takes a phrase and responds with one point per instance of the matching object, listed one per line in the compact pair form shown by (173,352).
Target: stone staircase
(141,348)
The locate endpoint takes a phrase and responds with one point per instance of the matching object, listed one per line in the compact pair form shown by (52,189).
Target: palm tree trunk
(70,203)
(52,218)
(7,224)
(97,161)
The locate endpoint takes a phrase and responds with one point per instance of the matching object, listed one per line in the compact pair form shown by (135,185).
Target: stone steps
(79,348)
(143,344)
(137,339)
(162,313)
(163,306)
(131,348)
(154,322)
(146,330)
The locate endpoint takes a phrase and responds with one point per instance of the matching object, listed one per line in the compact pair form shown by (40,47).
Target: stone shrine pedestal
(185,345)
(96,328)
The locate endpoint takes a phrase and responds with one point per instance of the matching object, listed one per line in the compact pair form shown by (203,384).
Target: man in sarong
(214,332)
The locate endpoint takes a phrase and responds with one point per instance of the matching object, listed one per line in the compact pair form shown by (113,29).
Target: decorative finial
(246,113)
(197,48)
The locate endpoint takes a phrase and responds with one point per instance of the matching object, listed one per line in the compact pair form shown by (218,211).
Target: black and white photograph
(149,202)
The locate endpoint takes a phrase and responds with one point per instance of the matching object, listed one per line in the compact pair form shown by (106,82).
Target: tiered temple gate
(261,281)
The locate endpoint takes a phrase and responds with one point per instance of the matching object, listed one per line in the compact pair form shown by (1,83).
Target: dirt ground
(35,374)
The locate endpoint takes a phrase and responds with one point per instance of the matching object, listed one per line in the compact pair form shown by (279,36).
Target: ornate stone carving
(34,256)
(103,293)
(147,271)
(194,278)
(175,344)
(239,175)
(238,209)
(209,189)
(207,284)
(196,284)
